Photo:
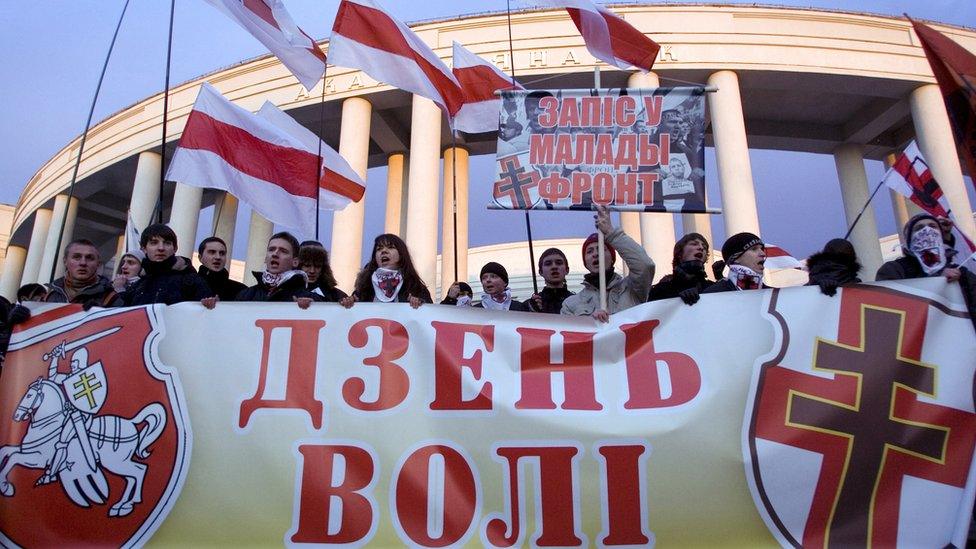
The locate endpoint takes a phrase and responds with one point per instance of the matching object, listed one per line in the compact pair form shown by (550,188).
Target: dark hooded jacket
(683,278)
(98,294)
(329,295)
(221,283)
(836,269)
(287,291)
(169,281)
(11,314)
(552,300)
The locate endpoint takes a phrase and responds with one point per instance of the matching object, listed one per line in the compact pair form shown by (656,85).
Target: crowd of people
(300,273)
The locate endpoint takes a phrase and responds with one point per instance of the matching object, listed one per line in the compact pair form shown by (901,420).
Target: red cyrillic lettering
(568,114)
(626,192)
(449,359)
(564,150)
(602,188)
(643,382)
(648,154)
(548,105)
(625,501)
(591,112)
(300,379)
(394,383)
(581,183)
(542,148)
(626,151)
(604,150)
(558,517)
(537,369)
(647,186)
(357,520)
(624,111)
(455,505)
(585,144)
(554,187)
(653,106)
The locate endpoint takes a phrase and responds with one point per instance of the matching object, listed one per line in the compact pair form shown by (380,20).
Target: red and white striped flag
(270,23)
(778,258)
(479,80)
(226,147)
(910,176)
(367,38)
(608,37)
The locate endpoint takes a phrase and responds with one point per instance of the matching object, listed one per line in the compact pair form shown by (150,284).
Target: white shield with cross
(87,388)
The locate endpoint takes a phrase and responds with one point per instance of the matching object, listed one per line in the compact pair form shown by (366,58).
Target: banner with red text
(632,149)
(751,419)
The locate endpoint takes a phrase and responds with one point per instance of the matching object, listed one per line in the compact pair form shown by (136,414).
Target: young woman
(314,260)
(389,276)
(130,266)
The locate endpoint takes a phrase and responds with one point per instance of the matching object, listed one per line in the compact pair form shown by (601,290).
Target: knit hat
(679,247)
(496,269)
(737,244)
(553,251)
(910,226)
(593,238)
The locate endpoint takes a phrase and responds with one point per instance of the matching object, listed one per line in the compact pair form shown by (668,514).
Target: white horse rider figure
(76,421)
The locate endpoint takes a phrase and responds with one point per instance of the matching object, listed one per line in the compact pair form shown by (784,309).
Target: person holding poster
(622,292)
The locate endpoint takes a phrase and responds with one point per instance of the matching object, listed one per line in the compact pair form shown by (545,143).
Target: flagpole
(528,222)
(601,254)
(866,204)
(169,56)
(84,134)
(318,173)
(454,196)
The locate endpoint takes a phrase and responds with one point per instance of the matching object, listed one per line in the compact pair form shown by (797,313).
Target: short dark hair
(552,251)
(208,240)
(157,230)
(80,242)
(312,243)
(29,291)
(285,235)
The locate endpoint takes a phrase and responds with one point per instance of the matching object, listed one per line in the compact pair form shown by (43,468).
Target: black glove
(828,286)
(18,314)
(689,296)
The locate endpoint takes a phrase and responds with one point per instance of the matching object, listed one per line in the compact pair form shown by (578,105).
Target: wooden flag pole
(599,233)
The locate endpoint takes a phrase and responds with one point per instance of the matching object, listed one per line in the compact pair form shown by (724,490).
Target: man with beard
(81,282)
(688,278)
(745,255)
(213,269)
(553,266)
(168,278)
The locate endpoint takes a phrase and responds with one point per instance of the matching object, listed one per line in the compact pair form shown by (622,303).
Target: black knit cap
(737,244)
(495,268)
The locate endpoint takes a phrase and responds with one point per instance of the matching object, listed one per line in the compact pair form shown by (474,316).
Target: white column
(854,192)
(13,270)
(656,230)
(183,217)
(899,205)
(145,190)
(258,234)
(225,220)
(396,183)
(701,224)
(447,219)
(425,144)
(64,214)
(346,252)
(938,146)
(35,251)
(732,155)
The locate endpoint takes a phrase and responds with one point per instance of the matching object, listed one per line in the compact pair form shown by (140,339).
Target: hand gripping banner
(631,149)
(751,419)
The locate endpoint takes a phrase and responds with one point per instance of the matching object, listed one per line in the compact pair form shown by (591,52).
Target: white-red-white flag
(778,258)
(227,147)
(479,80)
(367,38)
(608,37)
(270,23)
(910,176)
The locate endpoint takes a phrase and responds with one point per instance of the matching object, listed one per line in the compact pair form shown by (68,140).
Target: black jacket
(329,295)
(11,314)
(832,268)
(170,281)
(221,284)
(679,281)
(724,285)
(99,294)
(552,300)
(403,296)
(900,269)
(292,288)
(515,306)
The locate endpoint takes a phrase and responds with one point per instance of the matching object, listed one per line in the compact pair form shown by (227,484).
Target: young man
(688,278)
(81,282)
(213,269)
(553,266)
(168,278)
(622,292)
(281,279)
(497,296)
(745,256)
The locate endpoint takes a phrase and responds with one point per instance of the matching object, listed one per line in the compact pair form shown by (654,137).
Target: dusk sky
(55,50)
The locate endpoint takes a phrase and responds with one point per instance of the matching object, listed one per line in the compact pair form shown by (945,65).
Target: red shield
(138,440)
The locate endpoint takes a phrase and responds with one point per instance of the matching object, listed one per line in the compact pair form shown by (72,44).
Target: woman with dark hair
(389,276)
(314,260)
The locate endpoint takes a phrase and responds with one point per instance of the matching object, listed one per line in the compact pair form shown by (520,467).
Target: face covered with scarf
(926,244)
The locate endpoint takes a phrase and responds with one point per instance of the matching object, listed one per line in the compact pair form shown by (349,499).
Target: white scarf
(464,301)
(927,246)
(272,281)
(489,302)
(744,278)
(386,284)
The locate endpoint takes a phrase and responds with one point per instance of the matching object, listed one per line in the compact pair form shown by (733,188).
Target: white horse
(115,441)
